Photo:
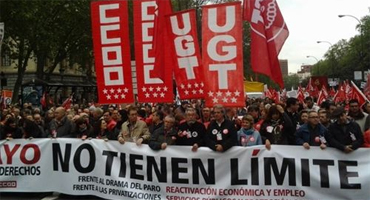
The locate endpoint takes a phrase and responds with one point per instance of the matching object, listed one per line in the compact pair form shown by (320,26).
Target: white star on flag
(144,89)
(219,93)
(201,84)
(182,86)
(151,89)
(189,85)
(162,94)
(105,91)
(125,90)
(155,95)
(237,93)
(210,93)
(228,93)
(186,92)
(123,96)
(119,90)
(109,97)
(112,90)
(224,100)
(233,100)
(200,91)
(165,88)
(215,100)
(196,85)
(116,96)
(194,92)
(147,95)
(158,89)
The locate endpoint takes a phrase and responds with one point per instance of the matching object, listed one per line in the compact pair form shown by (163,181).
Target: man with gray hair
(165,135)
(191,132)
(60,126)
(221,133)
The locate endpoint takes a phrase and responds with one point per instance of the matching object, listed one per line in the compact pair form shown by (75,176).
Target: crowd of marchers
(190,123)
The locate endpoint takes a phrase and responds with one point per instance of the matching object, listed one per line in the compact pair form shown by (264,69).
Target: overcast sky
(312,20)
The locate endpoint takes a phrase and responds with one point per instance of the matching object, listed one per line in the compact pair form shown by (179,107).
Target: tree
(291,81)
(47,30)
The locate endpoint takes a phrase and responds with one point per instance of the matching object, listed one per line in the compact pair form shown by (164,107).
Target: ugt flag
(268,35)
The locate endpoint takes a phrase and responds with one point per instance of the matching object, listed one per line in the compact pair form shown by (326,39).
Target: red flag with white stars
(112,51)
(223,54)
(185,53)
(150,86)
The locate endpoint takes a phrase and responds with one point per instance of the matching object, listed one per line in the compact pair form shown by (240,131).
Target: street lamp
(361,40)
(325,42)
(318,68)
(331,45)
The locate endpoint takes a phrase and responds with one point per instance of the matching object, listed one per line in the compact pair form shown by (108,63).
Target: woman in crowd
(102,132)
(277,127)
(247,135)
(83,128)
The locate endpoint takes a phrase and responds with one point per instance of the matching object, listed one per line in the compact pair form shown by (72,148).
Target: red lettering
(36,154)
(9,154)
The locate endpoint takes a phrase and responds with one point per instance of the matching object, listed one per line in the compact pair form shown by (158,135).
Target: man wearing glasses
(312,133)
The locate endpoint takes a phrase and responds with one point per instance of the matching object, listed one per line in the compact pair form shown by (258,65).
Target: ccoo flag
(268,34)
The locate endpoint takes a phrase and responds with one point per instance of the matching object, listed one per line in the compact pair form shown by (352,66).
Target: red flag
(367,86)
(268,35)
(323,95)
(348,89)
(160,38)
(300,95)
(357,94)
(112,51)
(150,87)
(332,92)
(68,102)
(43,100)
(186,54)
(223,54)
(340,96)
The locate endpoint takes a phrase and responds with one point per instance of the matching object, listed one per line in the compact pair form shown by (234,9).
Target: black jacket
(161,136)
(228,134)
(341,135)
(192,134)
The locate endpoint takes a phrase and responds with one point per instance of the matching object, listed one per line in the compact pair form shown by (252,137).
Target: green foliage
(345,57)
(291,81)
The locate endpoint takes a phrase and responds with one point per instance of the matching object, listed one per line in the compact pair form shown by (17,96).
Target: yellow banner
(250,86)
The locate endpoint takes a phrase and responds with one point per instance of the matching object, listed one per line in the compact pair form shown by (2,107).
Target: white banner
(115,171)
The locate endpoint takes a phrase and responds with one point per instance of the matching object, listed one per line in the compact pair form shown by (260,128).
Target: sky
(310,21)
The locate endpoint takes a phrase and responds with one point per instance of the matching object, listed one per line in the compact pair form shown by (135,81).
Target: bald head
(59,113)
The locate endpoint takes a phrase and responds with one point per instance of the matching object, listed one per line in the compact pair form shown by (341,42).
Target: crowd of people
(261,122)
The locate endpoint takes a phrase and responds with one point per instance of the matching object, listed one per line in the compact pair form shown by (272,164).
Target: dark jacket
(64,128)
(191,134)
(306,133)
(161,136)
(341,135)
(228,135)
(281,131)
